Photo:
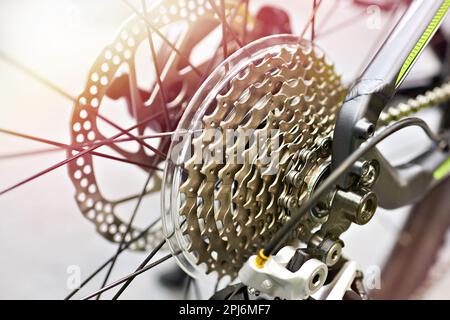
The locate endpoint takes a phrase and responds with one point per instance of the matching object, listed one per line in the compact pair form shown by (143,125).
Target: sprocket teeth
(295,92)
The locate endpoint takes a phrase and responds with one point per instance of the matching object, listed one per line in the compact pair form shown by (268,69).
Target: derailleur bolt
(330,250)
(367,171)
(364,129)
(359,206)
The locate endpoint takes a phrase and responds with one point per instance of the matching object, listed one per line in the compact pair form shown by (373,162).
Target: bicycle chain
(436,96)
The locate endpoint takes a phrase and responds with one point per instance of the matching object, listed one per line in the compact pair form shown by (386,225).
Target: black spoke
(141,266)
(131,276)
(144,263)
(132,136)
(235,291)
(107,262)
(129,198)
(130,223)
(145,137)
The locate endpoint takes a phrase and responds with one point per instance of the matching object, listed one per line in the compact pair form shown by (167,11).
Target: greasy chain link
(232,209)
(436,96)
(196,15)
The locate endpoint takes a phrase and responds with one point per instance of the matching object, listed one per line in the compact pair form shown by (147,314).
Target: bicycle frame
(401,185)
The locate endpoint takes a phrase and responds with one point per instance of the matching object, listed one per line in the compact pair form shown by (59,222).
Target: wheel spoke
(130,223)
(29,153)
(65,94)
(310,19)
(141,142)
(141,266)
(313,21)
(151,136)
(137,163)
(329,14)
(107,262)
(226,24)
(342,25)
(216,286)
(131,276)
(74,157)
(135,95)
(124,153)
(129,198)
(216,53)
(76,148)
(162,36)
(36,76)
(157,69)
(224,29)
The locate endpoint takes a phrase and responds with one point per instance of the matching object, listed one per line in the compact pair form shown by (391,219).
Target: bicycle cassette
(225,197)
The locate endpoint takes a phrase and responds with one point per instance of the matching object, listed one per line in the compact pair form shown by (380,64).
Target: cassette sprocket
(287,94)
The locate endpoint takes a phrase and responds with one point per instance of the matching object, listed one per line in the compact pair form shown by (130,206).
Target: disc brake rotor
(217,213)
(179,80)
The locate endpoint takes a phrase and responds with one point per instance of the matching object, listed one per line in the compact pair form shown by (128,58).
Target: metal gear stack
(230,207)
